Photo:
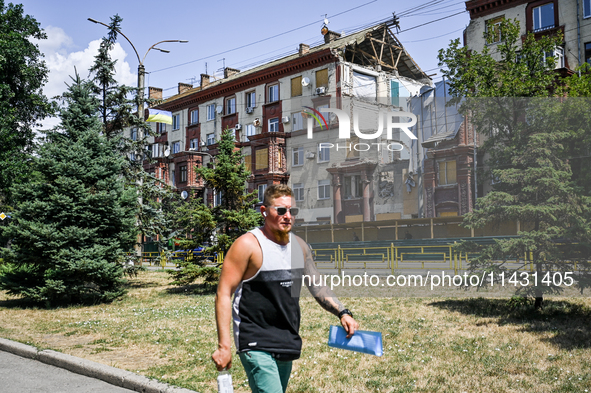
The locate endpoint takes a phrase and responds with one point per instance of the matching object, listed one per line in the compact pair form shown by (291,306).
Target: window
(493,30)
(249,130)
(588,51)
(297,121)
(176,147)
(322,78)
(543,17)
(195,116)
(296,86)
(133,134)
(155,150)
(194,144)
(210,139)
(298,192)
(176,124)
(173,177)
(364,86)
(251,101)
(218,198)
(274,124)
(327,115)
(230,106)
(447,172)
(273,93)
(132,156)
(297,156)
(210,112)
(353,187)
(161,128)
(394,93)
(183,171)
(262,159)
(262,188)
(586,8)
(558,55)
(323,152)
(323,189)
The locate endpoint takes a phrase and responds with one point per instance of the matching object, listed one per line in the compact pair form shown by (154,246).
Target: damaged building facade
(278,114)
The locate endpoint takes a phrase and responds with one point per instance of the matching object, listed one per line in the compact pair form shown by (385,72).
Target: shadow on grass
(19,303)
(136,284)
(194,289)
(570,322)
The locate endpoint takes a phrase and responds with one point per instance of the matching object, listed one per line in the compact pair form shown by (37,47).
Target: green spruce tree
(72,225)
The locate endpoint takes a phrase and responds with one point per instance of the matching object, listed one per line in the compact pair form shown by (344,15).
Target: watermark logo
(345,123)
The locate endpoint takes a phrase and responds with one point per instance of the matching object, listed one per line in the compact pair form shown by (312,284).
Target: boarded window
(352,152)
(322,78)
(296,86)
(248,162)
(447,172)
(262,159)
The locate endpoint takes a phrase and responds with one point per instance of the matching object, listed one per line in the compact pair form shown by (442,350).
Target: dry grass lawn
(430,344)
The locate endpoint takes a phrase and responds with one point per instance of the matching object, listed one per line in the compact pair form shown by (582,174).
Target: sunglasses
(281,210)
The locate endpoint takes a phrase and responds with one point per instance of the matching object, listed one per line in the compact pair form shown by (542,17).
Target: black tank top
(266,308)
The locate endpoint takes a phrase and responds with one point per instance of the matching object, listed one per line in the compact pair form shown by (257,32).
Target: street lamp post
(141,72)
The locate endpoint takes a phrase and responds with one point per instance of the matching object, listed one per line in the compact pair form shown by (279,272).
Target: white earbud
(264,214)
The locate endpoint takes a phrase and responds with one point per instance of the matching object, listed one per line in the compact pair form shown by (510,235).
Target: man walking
(263,270)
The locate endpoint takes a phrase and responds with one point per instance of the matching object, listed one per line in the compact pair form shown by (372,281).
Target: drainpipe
(578,36)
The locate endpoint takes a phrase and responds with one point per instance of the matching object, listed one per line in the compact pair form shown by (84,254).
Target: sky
(237,34)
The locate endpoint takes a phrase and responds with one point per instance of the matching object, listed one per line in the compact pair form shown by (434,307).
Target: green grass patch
(448,345)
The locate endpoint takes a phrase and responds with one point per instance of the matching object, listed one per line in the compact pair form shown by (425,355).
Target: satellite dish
(219,109)
(184,194)
(305,82)
(167,152)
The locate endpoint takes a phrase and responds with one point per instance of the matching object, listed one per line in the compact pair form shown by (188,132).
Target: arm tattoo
(323,294)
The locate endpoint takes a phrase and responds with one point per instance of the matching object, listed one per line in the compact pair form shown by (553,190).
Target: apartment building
(278,114)
(570,17)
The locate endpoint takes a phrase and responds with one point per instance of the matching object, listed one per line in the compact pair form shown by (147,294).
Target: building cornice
(266,75)
(480,8)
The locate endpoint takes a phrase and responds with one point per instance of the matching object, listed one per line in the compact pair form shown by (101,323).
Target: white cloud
(61,62)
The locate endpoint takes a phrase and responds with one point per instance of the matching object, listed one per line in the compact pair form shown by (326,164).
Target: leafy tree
(72,225)
(22,103)
(221,224)
(526,142)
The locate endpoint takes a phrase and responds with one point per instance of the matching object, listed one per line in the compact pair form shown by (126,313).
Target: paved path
(21,375)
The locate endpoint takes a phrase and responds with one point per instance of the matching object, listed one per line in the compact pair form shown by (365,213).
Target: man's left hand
(349,324)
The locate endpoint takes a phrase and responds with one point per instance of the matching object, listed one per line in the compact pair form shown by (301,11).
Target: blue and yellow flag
(158,116)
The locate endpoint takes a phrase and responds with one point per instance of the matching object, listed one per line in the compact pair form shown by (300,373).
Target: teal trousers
(265,373)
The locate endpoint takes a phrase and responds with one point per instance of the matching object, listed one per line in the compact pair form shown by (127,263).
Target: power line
(263,40)
(348,32)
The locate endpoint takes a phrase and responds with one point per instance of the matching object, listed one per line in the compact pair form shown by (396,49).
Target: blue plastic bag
(362,341)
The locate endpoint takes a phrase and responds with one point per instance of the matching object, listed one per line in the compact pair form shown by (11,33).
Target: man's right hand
(222,358)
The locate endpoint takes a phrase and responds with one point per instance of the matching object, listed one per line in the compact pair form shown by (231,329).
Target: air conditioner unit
(250,109)
(256,122)
(285,119)
(320,90)
(310,155)
(238,127)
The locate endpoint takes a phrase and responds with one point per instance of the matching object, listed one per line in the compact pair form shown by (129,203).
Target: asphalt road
(22,375)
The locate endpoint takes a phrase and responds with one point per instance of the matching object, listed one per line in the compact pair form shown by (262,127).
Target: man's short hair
(276,191)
